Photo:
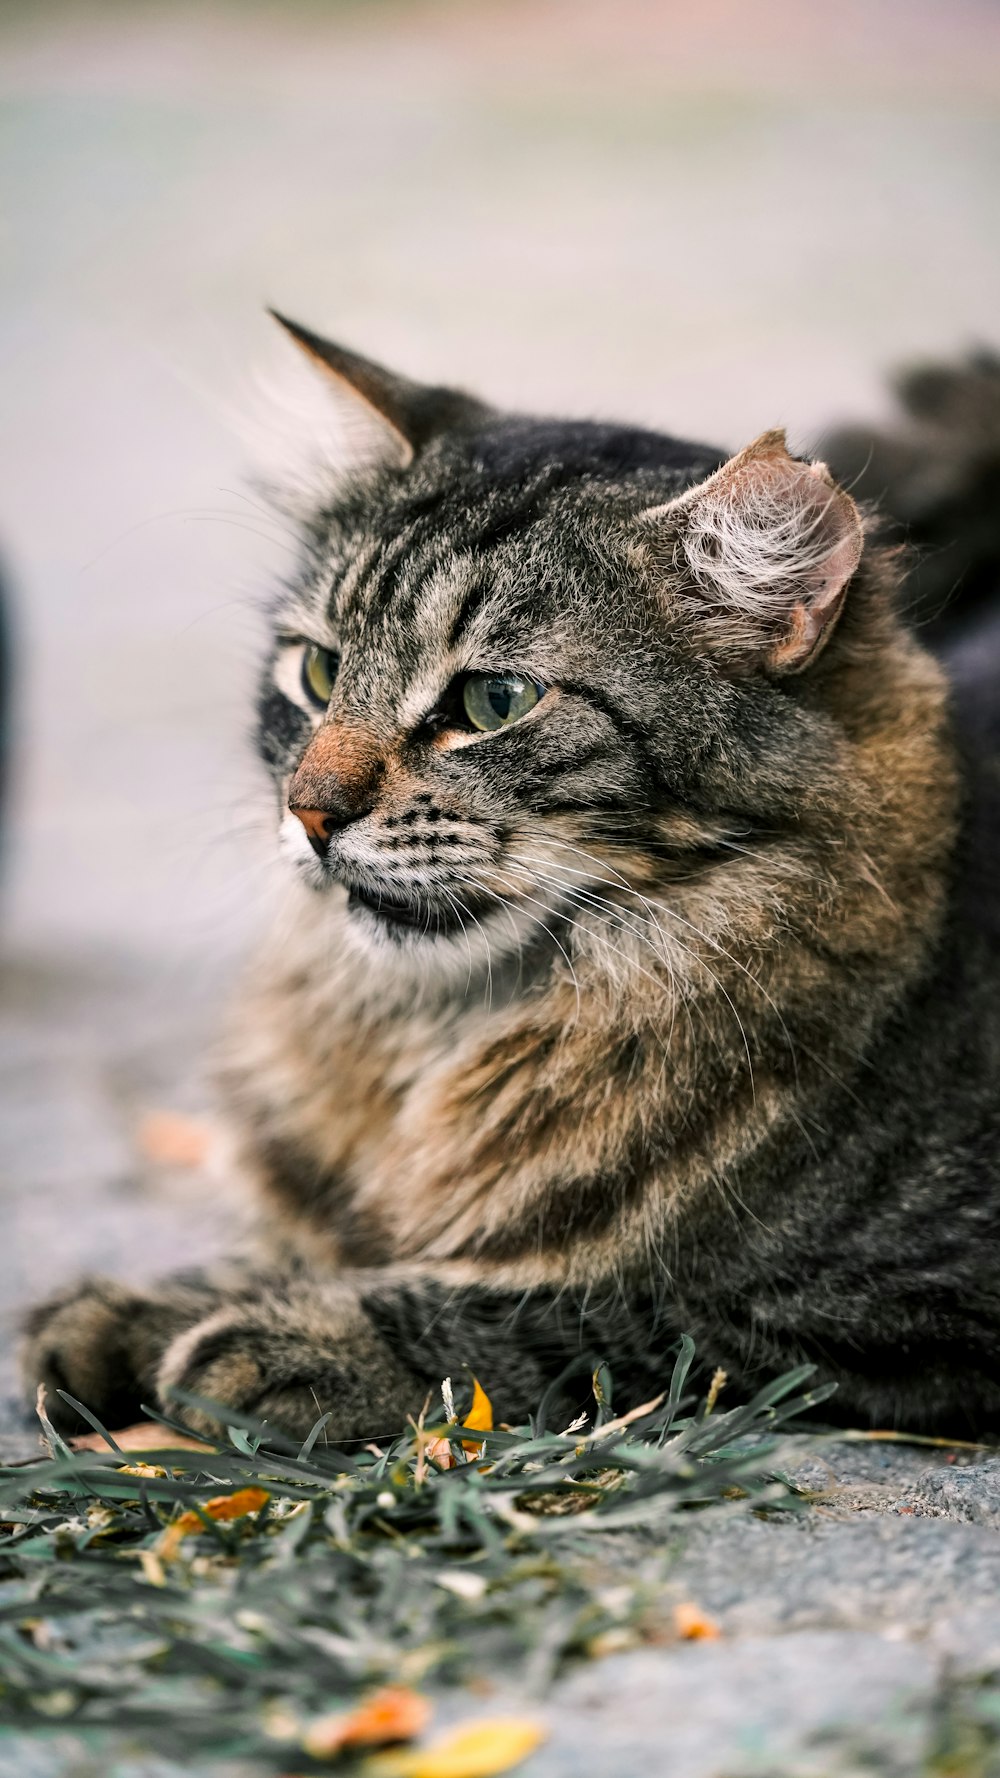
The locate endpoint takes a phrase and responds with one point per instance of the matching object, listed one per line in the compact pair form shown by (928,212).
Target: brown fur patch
(341,768)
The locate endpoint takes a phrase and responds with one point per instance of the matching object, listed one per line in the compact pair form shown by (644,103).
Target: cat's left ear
(765,548)
(386,417)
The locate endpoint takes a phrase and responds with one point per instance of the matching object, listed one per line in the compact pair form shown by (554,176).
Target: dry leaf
(440,1452)
(233,1506)
(694,1625)
(480,1416)
(223,1507)
(478,1419)
(612,1642)
(480,1750)
(152,1568)
(145,1435)
(169,1139)
(392,1714)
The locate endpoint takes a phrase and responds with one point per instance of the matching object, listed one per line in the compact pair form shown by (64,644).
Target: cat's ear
(765,549)
(385,418)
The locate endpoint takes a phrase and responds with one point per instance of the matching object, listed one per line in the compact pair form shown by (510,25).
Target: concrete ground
(715,218)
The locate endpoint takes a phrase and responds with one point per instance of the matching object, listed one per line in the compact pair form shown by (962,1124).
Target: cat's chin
(400,918)
(486,955)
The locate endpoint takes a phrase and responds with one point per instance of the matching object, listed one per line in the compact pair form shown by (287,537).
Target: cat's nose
(336,781)
(340,803)
(319,825)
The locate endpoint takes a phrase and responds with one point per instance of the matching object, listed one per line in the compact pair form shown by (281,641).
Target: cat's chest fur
(516,1126)
(359,1101)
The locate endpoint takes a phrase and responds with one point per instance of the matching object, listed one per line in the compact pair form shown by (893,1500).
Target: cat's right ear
(385,418)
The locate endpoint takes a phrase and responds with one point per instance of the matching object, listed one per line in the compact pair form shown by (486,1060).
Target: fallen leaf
(169,1139)
(152,1568)
(612,1642)
(694,1625)
(230,1506)
(145,1435)
(392,1714)
(223,1507)
(479,1750)
(478,1419)
(440,1452)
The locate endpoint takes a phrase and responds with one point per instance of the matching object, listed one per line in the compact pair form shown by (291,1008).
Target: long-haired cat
(638,977)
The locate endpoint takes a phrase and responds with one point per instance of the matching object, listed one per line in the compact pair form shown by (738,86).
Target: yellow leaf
(480,1750)
(694,1625)
(223,1506)
(392,1714)
(236,1506)
(479,1417)
(152,1568)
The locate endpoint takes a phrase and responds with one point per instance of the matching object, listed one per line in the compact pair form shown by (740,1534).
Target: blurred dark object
(5,702)
(936,478)
(972,658)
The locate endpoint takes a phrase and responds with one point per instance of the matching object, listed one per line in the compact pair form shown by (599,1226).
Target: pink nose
(319,825)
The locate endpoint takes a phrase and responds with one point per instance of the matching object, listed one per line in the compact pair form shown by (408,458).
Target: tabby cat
(635,980)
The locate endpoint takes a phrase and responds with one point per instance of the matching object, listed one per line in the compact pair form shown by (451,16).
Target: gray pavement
(715,218)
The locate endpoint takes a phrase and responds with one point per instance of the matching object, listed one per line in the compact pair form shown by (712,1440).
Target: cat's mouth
(396,911)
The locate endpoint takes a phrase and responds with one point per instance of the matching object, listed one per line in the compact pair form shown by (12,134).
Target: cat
(634,979)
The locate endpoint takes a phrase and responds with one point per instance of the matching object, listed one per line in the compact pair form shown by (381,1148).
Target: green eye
(319,670)
(495,700)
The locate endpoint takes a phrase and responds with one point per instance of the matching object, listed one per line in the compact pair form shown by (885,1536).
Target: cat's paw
(271,1365)
(83,1341)
(103,1343)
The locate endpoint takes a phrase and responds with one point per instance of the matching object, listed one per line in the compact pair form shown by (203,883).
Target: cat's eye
(319,671)
(495,700)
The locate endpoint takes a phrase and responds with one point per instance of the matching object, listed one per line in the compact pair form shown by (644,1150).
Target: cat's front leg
(368,1346)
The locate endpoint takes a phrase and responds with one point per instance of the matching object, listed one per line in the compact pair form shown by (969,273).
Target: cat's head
(531,669)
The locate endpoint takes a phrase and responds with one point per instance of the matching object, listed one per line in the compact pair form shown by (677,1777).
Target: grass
(146,1614)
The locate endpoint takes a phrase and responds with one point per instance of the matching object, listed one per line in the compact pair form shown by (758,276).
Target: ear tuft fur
(379,400)
(404,415)
(766,547)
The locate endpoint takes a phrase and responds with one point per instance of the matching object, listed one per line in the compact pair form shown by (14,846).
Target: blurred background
(711,217)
